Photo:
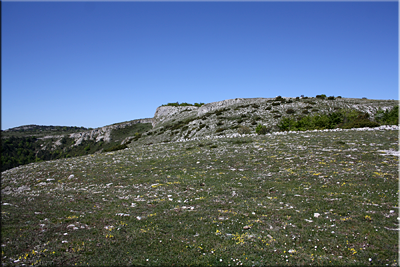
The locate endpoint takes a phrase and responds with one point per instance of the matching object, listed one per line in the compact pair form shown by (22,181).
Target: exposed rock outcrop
(104,133)
(165,113)
(174,123)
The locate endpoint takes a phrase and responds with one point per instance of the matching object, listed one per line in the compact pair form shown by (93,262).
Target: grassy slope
(257,205)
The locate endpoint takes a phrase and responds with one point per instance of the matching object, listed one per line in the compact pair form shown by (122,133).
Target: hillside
(312,197)
(33,143)
(180,122)
(243,115)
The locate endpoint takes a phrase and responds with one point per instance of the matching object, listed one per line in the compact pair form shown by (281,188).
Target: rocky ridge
(177,123)
(104,133)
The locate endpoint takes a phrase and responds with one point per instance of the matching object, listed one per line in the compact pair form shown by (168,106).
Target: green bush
(341,119)
(389,116)
(290,111)
(261,129)
(184,104)
(321,96)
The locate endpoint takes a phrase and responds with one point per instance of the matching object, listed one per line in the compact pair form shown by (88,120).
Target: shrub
(276,103)
(361,121)
(331,98)
(184,104)
(321,96)
(261,129)
(137,136)
(219,112)
(244,130)
(310,102)
(290,111)
(64,140)
(342,119)
(389,116)
(268,108)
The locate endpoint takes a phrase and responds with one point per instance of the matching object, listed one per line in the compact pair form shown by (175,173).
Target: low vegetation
(39,130)
(344,119)
(184,104)
(288,198)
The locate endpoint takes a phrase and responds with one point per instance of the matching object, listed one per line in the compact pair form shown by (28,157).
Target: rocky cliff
(104,133)
(173,123)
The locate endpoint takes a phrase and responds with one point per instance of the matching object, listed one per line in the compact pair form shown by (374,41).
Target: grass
(309,198)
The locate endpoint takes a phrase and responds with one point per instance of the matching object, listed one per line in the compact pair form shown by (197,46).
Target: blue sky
(93,64)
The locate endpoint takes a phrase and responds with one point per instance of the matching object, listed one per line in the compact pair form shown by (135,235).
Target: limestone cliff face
(165,113)
(218,105)
(103,133)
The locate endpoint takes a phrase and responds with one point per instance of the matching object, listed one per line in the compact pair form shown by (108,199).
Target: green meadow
(298,198)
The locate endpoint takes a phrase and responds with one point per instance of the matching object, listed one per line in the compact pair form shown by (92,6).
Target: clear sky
(93,64)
